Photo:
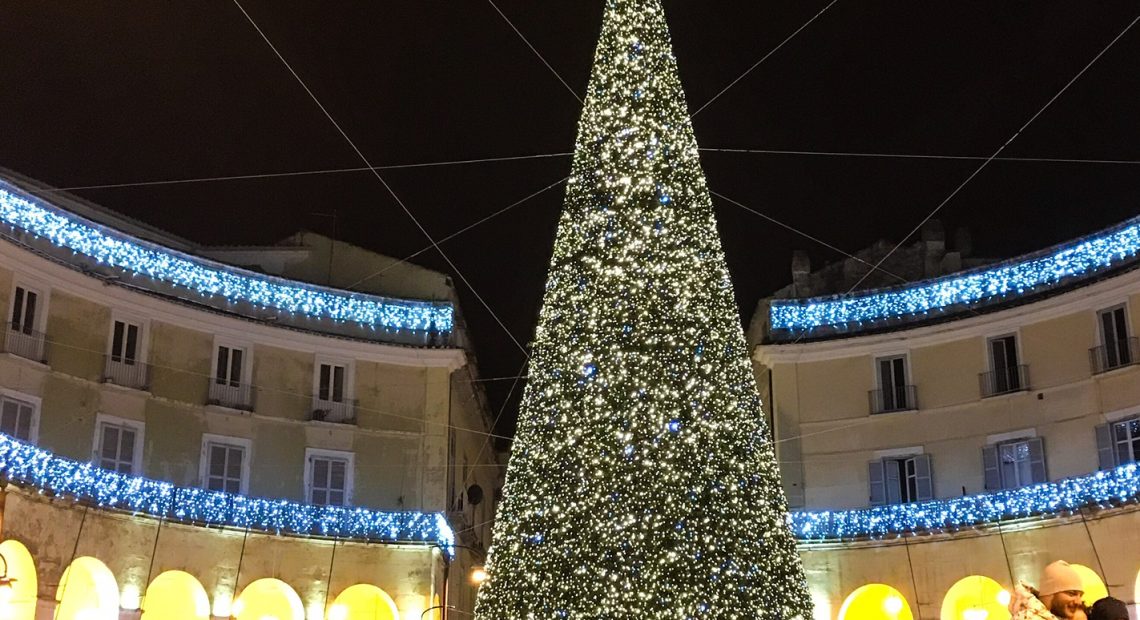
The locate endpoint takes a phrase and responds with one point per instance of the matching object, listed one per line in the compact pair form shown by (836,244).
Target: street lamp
(478,576)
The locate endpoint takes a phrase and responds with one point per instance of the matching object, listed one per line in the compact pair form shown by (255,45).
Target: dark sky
(111,92)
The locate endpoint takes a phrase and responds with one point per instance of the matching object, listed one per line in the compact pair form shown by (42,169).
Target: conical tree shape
(642,483)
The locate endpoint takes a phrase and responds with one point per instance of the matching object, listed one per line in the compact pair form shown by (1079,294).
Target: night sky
(99,93)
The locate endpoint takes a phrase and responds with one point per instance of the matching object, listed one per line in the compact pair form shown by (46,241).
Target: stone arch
(363,602)
(976,598)
(87,591)
(876,601)
(18,600)
(176,595)
(271,598)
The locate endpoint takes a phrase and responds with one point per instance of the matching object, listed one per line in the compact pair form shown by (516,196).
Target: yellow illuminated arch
(87,591)
(363,602)
(175,595)
(875,602)
(976,598)
(19,601)
(1094,585)
(268,599)
(437,607)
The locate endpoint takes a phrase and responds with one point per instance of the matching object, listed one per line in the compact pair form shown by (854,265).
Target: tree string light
(643,484)
(205,277)
(1034,274)
(27,465)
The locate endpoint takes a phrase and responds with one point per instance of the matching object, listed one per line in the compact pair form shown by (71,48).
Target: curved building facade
(944,438)
(195,432)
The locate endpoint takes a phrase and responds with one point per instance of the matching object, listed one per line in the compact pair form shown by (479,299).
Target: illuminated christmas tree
(642,482)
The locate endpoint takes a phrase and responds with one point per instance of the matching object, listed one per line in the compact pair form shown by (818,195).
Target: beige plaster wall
(284,382)
(180,361)
(77,333)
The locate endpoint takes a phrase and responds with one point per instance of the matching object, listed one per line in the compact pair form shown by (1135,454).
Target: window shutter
(1104,449)
(1037,460)
(878,490)
(924,481)
(991,464)
(893,484)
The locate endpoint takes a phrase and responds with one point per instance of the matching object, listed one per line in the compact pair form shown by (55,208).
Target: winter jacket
(1024,605)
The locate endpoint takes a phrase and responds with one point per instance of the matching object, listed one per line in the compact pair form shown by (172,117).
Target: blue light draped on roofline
(25,464)
(1035,273)
(206,277)
(1102,489)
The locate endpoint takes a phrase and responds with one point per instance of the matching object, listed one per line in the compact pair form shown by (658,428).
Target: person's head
(1109,609)
(1061,591)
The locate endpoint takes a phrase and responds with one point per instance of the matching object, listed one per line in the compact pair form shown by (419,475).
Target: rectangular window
(330,386)
(16,418)
(117,444)
(125,342)
(1126,440)
(1114,333)
(893,394)
(901,480)
(1004,365)
(229,366)
(1014,464)
(24,305)
(328,480)
(225,467)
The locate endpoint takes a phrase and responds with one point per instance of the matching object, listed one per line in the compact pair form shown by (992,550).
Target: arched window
(18,600)
(976,598)
(363,602)
(1094,585)
(875,602)
(268,599)
(87,591)
(175,595)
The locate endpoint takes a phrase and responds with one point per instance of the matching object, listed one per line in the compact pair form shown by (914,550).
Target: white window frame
(208,440)
(140,437)
(1121,305)
(246,359)
(349,374)
(1127,424)
(349,471)
(877,377)
(43,294)
(36,403)
(144,334)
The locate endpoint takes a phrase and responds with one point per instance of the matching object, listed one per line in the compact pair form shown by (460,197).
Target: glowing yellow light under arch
(1094,585)
(268,599)
(875,602)
(976,598)
(87,591)
(19,601)
(176,595)
(363,602)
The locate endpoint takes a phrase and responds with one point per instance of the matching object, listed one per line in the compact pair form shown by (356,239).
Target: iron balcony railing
(898,398)
(231,396)
(126,372)
(338,411)
(1004,380)
(1115,354)
(25,342)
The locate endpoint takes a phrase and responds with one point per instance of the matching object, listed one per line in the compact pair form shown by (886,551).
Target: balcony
(1115,354)
(339,412)
(26,343)
(126,372)
(899,398)
(1004,381)
(231,396)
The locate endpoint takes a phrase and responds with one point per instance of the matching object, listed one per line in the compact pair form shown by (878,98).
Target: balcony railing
(898,398)
(1004,381)
(27,343)
(1115,354)
(340,412)
(126,372)
(231,396)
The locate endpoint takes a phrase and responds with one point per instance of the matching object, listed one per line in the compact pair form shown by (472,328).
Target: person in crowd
(1109,608)
(1058,596)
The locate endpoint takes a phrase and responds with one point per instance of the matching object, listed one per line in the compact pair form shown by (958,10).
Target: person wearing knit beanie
(1061,590)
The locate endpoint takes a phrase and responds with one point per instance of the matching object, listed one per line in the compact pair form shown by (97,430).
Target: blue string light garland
(1036,273)
(25,464)
(205,277)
